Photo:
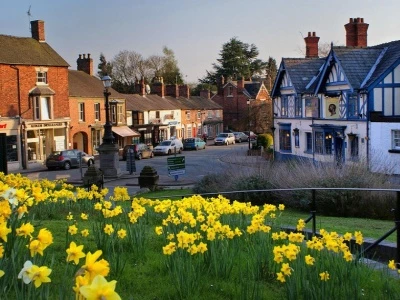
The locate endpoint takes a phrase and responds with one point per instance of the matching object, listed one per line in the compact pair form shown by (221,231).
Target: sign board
(176,165)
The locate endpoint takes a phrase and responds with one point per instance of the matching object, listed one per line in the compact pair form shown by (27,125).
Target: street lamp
(248,124)
(108,137)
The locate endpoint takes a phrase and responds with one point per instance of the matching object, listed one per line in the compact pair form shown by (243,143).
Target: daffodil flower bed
(58,242)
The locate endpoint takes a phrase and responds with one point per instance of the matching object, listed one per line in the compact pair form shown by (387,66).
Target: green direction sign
(176,160)
(176,165)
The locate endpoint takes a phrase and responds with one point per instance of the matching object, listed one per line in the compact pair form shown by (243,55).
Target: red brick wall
(57,80)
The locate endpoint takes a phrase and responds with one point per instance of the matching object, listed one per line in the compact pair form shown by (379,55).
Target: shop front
(11,127)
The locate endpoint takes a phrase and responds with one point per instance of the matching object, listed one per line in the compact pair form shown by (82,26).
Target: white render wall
(381,142)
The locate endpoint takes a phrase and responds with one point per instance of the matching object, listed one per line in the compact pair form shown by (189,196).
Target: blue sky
(195,29)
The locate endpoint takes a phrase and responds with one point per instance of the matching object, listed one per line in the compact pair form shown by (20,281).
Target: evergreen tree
(271,71)
(237,59)
(104,67)
(170,70)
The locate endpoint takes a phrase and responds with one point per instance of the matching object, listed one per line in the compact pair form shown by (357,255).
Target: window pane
(396,139)
(284,140)
(44,108)
(319,142)
(309,141)
(328,143)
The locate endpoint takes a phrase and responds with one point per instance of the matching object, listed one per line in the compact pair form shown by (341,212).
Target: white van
(168,147)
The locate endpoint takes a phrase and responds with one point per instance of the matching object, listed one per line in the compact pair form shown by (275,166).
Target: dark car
(141,151)
(68,159)
(194,144)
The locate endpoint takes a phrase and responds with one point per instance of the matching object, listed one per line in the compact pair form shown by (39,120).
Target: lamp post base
(109,160)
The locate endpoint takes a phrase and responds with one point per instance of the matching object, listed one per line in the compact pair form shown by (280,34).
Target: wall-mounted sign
(332,107)
(312,107)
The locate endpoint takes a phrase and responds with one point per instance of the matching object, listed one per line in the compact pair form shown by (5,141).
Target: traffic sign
(176,165)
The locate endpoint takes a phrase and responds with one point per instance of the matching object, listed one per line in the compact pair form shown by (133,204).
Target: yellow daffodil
(40,275)
(4,231)
(1,273)
(281,207)
(392,265)
(121,233)
(280,277)
(72,229)
(100,289)
(347,236)
(35,246)
(159,230)
(45,237)
(1,251)
(286,269)
(25,230)
(108,229)
(25,273)
(85,232)
(70,217)
(98,206)
(75,253)
(84,216)
(324,276)
(95,267)
(309,260)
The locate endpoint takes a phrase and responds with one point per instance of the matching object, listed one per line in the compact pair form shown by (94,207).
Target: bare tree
(126,66)
(156,63)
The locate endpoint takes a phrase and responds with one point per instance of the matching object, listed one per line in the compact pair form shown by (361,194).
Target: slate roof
(82,84)
(28,51)
(302,70)
(357,62)
(390,56)
(252,88)
(136,102)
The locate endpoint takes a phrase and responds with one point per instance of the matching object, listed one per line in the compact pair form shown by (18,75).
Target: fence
(313,210)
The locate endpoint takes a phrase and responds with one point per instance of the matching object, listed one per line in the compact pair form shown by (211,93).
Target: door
(339,151)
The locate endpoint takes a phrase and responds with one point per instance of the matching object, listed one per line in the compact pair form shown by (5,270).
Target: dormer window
(41,77)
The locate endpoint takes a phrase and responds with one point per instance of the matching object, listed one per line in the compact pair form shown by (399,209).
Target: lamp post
(248,124)
(108,137)
(108,151)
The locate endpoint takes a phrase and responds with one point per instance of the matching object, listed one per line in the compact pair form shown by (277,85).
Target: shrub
(266,140)
(211,183)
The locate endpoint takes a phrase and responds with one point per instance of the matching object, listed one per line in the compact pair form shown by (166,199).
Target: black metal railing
(313,209)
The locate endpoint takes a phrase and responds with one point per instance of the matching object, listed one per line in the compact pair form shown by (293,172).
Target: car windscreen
(222,135)
(189,141)
(165,143)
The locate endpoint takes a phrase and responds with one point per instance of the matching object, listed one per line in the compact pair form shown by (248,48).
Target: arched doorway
(80,141)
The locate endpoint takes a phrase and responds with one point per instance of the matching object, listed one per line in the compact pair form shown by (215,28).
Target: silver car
(225,139)
(68,159)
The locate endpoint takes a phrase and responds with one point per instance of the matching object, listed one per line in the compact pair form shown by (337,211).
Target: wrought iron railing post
(313,213)
(397,222)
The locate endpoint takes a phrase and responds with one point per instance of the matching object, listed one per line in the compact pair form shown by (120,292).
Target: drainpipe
(21,136)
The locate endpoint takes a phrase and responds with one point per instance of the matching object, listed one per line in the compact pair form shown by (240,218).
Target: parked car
(168,147)
(68,159)
(224,139)
(251,134)
(240,137)
(141,151)
(194,144)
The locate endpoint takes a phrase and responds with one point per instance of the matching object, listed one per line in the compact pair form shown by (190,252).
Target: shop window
(96,140)
(328,143)
(11,145)
(42,108)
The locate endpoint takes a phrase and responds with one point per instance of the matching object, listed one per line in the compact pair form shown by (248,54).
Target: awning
(125,131)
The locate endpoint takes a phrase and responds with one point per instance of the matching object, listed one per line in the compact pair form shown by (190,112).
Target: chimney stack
(85,64)
(184,91)
(311,45)
(220,85)
(140,87)
(205,94)
(356,33)
(37,29)
(172,90)
(240,84)
(158,86)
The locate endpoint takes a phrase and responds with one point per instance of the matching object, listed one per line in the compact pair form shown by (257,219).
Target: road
(214,159)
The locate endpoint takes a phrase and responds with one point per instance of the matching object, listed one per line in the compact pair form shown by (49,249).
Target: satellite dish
(147,89)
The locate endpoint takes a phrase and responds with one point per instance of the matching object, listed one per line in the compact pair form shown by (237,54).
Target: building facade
(343,108)
(34,97)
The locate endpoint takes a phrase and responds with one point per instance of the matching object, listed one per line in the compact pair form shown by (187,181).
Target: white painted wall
(381,142)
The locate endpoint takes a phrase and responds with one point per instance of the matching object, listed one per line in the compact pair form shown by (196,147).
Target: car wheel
(67,165)
(90,162)
(169,151)
(139,157)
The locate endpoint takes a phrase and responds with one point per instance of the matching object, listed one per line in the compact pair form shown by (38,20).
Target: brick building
(246,105)
(86,99)
(34,111)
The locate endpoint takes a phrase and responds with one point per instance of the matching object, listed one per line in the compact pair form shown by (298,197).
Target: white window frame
(396,139)
(120,113)
(188,115)
(81,111)
(41,76)
(97,115)
(42,108)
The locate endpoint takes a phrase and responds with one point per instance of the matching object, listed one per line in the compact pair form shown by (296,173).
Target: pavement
(37,170)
